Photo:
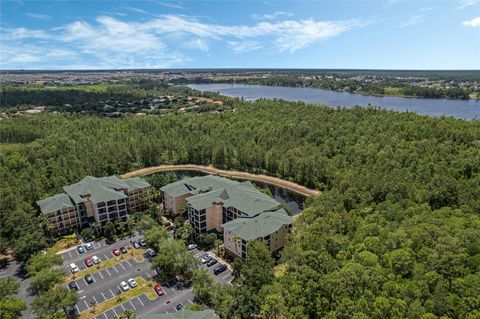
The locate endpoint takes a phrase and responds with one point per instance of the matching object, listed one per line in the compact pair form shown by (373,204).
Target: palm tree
(236,240)
(119,295)
(129,314)
(93,305)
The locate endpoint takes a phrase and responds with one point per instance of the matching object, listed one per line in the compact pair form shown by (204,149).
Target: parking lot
(106,282)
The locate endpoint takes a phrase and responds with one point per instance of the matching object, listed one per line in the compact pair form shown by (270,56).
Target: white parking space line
(113,295)
(123,307)
(106,269)
(141,301)
(190,301)
(85,303)
(103,296)
(116,314)
(100,273)
(106,257)
(76,307)
(70,254)
(80,291)
(115,269)
(225,277)
(128,262)
(132,305)
(122,266)
(148,275)
(96,302)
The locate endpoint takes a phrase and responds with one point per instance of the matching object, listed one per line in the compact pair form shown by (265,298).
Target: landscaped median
(144,287)
(136,254)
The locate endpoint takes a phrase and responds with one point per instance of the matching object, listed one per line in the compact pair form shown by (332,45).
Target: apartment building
(93,200)
(238,210)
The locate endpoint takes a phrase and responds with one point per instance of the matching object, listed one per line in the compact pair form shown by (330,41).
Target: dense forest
(395,233)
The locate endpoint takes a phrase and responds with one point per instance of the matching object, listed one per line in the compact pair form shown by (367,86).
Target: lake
(295,202)
(464,109)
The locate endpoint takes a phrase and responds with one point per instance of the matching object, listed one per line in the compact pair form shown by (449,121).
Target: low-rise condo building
(93,200)
(238,210)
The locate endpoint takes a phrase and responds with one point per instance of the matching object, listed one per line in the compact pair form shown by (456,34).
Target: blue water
(463,109)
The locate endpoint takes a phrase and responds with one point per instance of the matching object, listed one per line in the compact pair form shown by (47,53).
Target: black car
(73,285)
(123,250)
(179,306)
(142,243)
(211,262)
(109,241)
(88,279)
(219,269)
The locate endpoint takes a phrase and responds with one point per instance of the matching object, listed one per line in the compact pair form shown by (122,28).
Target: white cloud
(15,34)
(170,5)
(272,16)
(466,3)
(38,16)
(472,23)
(158,42)
(243,46)
(197,44)
(413,20)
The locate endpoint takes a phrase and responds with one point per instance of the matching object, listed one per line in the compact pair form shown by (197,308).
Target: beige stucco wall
(214,217)
(230,245)
(278,239)
(173,204)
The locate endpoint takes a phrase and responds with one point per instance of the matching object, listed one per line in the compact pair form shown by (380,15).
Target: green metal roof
(183,314)
(54,203)
(196,185)
(243,196)
(259,226)
(101,189)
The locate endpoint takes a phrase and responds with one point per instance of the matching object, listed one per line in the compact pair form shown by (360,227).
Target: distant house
(93,200)
(237,210)
(183,314)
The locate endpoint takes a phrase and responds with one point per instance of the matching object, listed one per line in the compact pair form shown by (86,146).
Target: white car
(192,246)
(89,246)
(205,259)
(73,268)
(96,260)
(124,286)
(132,282)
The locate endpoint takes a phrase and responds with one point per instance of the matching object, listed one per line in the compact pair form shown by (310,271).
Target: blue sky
(390,34)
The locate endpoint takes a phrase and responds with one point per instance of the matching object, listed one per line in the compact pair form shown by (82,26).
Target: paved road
(14,270)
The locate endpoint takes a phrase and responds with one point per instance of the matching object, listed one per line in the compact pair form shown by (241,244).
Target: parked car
(123,250)
(136,245)
(219,269)
(151,252)
(96,260)
(192,246)
(179,306)
(88,262)
(159,290)
(89,246)
(132,282)
(80,249)
(73,268)
(211,262)
(88,279)
(116,252)
(205,259)
(124,286)
(142,243)
(73,285)
(109,241)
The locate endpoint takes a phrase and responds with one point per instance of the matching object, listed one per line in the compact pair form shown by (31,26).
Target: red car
(116,252)
(159,290)
(88,262)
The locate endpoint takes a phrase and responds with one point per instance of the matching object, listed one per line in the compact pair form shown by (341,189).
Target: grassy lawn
(393,91)
(136,254)
(143,287)
(64,243)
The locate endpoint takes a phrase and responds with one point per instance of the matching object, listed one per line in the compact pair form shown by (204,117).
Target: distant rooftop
(196,185)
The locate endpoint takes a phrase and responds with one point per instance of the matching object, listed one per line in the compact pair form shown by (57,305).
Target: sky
(114,34)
